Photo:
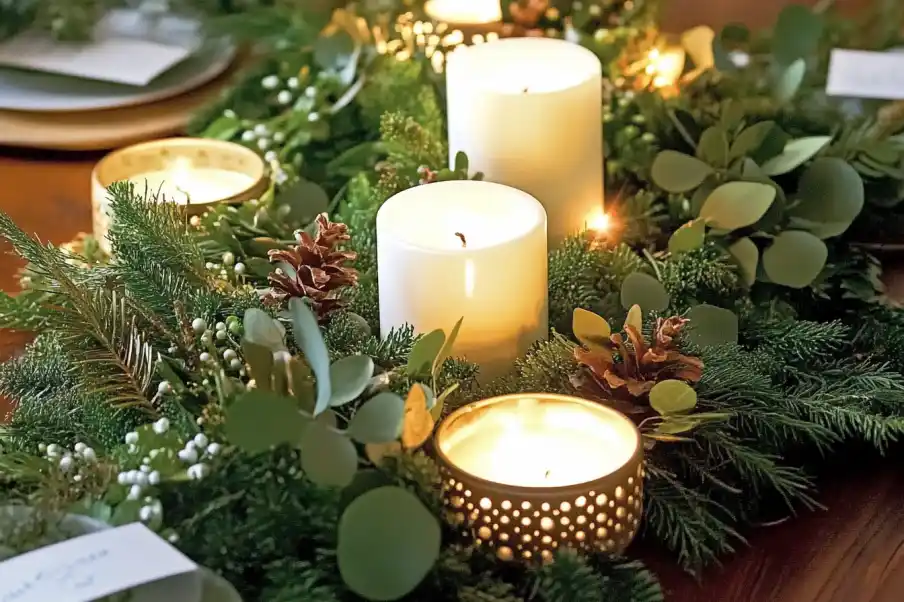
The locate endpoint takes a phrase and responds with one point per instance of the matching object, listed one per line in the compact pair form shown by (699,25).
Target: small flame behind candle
(599,222)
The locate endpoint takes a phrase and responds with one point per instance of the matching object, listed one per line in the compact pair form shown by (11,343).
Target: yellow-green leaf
(747,256)
(418,423)
(424,352)
(795,259)
(635,319)
(672,397)
(590,329)
(737,205)
(688,237)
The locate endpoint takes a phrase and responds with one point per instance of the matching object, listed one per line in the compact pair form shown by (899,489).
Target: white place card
(100,564)
(121,60)
(864,74)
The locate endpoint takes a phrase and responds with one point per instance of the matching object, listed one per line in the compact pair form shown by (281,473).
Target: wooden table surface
(853,552)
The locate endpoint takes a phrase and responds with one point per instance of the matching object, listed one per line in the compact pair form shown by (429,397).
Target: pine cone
(320,268)
(626,383)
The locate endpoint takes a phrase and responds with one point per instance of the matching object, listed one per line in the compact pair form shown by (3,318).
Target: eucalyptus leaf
(751,139)
(310,340)
(634,319)
(590,329)
(418,423)
(461,162)
(688,237)
(349,377)
(260,359)
(796,153)
(795,258)
(440,403)
(676,172)
(259,420)
(713,147)
(388,542)
(334,52)
(786,81)
(747,256)
(644,290)
(305,200)
(258,266)
(672,397)
(446,350)
(737,205)
(711,325)
(424,352)
(379,420)
(328,457)
(830,192)
(261,329)
(677,425)
(797,34)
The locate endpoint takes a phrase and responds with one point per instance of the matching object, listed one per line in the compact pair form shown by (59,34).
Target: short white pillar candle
(528,113)
(467,249)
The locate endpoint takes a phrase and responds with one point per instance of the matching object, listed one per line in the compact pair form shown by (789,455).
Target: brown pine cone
(320,268)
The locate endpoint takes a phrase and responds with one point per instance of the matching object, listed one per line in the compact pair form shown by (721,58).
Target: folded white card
(122,60)
(864,74)
(100,564)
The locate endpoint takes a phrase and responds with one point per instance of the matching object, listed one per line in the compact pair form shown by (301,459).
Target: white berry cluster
(220,334)
(73,462)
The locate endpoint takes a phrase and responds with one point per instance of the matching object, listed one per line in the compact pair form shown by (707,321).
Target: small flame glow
(599,222)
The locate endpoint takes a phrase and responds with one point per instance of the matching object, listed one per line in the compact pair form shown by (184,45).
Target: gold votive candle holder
(527,474)
(195,173)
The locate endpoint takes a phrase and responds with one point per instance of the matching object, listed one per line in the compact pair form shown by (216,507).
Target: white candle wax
(462,12)
(184,184)
(467,249)
(530,442)
(528,113)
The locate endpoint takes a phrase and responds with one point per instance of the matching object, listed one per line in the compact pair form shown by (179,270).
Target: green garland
(144,358)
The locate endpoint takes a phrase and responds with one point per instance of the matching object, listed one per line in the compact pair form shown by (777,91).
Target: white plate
(47,93)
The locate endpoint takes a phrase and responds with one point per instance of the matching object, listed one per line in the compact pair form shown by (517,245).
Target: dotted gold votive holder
(220,171)
(527,474)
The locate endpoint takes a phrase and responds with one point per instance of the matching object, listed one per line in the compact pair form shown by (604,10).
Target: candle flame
(599,222)
(665,68)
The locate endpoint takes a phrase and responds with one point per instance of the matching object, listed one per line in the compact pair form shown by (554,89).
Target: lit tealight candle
(665,66)
(465,249)
(184,184)
(561,470)
(465,12)
(528,113)
(192,172)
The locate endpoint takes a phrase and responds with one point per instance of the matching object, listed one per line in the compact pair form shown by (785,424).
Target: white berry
(199,325)
(80,447)
(132,438)
(89,455)
(221,335)
(164,387)
(134,492)
(239,268)
(65,463)
(200,440)
(197,471)
(188,455)
(235,364)
(229,354)
(270,82)
(213,449)
(247,136)
(146,513)
(205,357)
(284,97)
(261,129)
(154,478)
(161,426)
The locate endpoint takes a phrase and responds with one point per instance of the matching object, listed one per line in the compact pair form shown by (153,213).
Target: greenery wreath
(219,378)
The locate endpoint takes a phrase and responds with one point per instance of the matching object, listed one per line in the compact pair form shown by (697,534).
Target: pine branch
(96,326)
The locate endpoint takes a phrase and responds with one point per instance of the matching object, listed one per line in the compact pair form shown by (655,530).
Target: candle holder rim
(586,54)
(543,218)
(258,175)
(523,489)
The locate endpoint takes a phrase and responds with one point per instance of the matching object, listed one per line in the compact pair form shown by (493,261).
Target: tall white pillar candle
(528,113)
(465,249)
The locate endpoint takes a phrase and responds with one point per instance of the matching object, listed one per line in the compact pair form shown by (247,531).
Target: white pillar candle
(528,113)
(467,249)
(465,12)
(540,441)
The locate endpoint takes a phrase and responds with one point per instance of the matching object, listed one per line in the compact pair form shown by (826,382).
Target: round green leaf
(310,340)
(787,80)
(737,205)
(328,457)
(751,139)
(713,147)
(796,153)
(831,193)
(797,34)
(259,420)
(747,255)
(261,329)
(590,329)
(795,258)
(688,237)
(672,397)
(711,325)
(333,52)
(676,172)
(379,420)
(349,377)
(644,290)
(305,200)
(388,542)
(425,350)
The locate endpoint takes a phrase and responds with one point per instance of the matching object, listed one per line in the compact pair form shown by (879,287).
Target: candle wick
(187,196)
(546,476)
(525,90)
(464,242)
